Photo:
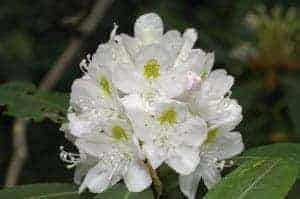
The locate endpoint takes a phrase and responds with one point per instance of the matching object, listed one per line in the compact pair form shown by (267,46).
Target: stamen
(224,163)
(84,64)
(114,31)
(72,159)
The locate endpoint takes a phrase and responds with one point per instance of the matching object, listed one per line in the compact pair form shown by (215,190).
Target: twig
(157,184)
(87,27)
(19,153)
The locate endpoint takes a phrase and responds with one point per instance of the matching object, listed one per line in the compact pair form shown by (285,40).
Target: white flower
(151,98)
(211,101)
(220,145)
(151,63)
(93,99)
(169,134)
(103,135)
(115,157)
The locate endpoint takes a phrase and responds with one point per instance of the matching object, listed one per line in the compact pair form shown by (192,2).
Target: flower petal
(84,94)
(210,174)
(131,44)
(173,85)
(79,125)
(189,183)
(104,55)
(189,39)
(217,84)
(83,167)
(184,161)
(127,80)
(226,145)
(172,42)
(148,28)
(226,114)
(95,148)
(154,155)
(193,131)
(199,61)
(137,177)
(180,109)
(97,180)
(153,52)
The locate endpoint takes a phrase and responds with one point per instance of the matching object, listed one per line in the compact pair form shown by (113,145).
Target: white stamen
(114,31)
(72,158)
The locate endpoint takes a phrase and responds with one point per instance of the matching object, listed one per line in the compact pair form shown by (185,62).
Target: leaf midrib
(259,178)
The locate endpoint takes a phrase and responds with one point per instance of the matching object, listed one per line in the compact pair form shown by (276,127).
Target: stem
(157,184)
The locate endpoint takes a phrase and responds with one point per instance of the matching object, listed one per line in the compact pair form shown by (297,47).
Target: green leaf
(119,191)
(43,191)
(257,178)
(24,100)
(290,151)
(265,172)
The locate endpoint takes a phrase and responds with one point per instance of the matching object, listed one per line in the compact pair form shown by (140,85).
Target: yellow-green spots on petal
(203,74)
(151,69)
(168,116)
(105,85)
(211,136)
(119,133)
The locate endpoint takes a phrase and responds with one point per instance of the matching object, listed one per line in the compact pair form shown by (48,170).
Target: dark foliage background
(33,35)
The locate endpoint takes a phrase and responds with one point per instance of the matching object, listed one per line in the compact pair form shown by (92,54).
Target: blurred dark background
(257,41)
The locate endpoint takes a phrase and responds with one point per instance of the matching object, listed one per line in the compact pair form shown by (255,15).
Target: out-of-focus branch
(19,153)
(87,27)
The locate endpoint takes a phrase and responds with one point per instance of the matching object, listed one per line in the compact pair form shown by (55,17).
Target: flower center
(211,136)
(151,69)
(119,133)
(105,86)
(168,116)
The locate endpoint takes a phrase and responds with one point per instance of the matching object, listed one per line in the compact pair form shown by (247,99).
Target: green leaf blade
(289,151)
(43,191)
(264,172)
(24,100)
(257,178)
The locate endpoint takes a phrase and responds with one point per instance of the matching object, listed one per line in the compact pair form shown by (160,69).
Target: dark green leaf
(265,172)
(43,191)
(290,151)
(119,191)
(263,178)
(23,100)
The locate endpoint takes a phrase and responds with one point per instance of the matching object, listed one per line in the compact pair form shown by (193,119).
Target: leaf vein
(244,193)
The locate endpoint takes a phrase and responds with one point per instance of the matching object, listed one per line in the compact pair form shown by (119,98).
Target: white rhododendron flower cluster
(151,99)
